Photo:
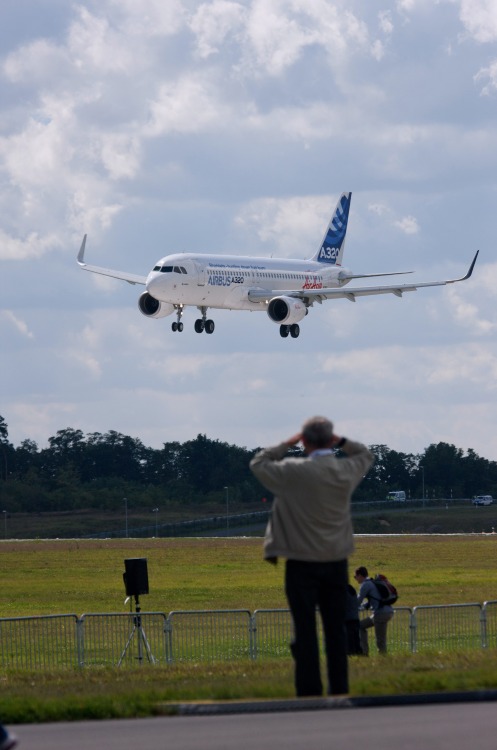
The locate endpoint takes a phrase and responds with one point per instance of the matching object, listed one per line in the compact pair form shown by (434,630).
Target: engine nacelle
(286,310)
(152,308)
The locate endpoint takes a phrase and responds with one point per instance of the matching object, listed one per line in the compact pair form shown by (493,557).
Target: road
(434,726)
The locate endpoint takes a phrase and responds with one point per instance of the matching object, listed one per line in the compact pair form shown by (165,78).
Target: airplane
(285,288)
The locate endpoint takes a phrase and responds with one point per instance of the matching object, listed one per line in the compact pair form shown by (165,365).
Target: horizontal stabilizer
(343,275)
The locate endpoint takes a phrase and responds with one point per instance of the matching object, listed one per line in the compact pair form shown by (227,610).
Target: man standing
(381,613)
(311,527)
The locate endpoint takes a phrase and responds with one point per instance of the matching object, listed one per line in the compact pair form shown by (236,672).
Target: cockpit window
(170,269)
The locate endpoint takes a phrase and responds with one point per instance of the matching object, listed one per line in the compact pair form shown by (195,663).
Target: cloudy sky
(161,126)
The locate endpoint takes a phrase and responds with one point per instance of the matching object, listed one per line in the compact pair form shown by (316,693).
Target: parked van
(398,495)
(483,500)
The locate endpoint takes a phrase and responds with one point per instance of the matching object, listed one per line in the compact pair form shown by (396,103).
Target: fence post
(168,636)
(483,625)
(80,640)
(252,636)
(413,628)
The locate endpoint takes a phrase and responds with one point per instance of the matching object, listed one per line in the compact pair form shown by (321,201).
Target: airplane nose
(154,283)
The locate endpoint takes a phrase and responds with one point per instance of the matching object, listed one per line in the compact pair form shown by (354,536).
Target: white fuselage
(223,281)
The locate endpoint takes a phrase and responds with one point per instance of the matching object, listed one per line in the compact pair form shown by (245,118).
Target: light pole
(125,499)
(4,523)
(423,476)
(155,510)
(227,507)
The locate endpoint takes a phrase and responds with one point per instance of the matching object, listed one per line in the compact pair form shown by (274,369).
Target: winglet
(463,278)
(81,253)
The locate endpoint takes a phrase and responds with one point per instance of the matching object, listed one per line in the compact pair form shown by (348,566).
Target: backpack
(386,591)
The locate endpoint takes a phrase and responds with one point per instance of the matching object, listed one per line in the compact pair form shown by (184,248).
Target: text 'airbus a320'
(284,289)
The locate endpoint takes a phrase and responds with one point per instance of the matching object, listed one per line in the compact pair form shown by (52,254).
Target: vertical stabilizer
(331,248)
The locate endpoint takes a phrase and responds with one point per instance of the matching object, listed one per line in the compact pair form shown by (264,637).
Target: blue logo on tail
(337,228)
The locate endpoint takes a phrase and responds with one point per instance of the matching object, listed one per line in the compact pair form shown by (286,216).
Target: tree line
(98,470)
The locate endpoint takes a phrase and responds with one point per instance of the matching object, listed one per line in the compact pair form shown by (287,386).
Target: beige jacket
(311,512)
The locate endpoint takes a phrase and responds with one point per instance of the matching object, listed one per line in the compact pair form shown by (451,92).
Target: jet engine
(152,308)
(286,310)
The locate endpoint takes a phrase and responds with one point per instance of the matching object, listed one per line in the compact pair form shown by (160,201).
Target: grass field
(53,577)
(47,577)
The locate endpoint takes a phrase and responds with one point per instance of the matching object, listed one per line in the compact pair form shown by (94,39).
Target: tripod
(142,638)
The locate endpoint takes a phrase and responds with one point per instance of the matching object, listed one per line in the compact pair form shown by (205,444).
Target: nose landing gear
(178,325)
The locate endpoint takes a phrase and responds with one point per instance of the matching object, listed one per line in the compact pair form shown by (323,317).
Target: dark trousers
(353,638)
(323,585)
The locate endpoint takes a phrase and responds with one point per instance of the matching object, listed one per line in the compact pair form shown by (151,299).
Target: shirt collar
(320,452)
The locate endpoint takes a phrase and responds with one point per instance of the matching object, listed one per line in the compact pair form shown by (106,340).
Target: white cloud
(385,22)
(95,45)
(279,32)
(386,366)
(294,226)
(480,19)
(20,325)
(378,208)
(33,246)
(489,74)
(378,50)
(148,18)
(188,105)
(213,22)
(408,225)
(39,61)
(32,156)
(475,308)
(121,155)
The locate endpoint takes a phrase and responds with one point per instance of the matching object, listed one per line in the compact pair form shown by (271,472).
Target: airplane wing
(131,278)
(350,293)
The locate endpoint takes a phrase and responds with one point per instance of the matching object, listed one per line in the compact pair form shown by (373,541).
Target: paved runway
(456,726)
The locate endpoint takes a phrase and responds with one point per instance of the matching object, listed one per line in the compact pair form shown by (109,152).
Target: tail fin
(331,248)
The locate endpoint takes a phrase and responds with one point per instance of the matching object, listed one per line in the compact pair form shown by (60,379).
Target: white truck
(397,495)
(483,500)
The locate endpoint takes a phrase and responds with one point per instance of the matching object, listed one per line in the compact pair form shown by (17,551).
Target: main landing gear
(293,330)
(201,324)
(178,324)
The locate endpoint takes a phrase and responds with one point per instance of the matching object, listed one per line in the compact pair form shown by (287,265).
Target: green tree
(442,464)
(6,450)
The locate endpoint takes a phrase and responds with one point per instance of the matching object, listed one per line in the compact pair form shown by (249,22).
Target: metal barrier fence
(117,639)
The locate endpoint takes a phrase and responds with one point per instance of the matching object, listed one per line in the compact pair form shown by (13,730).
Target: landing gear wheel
(209,326)
(199,325)
(178,325)
(294,331)
(284,331)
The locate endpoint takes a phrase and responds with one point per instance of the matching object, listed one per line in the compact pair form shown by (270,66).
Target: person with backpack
(381,611)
